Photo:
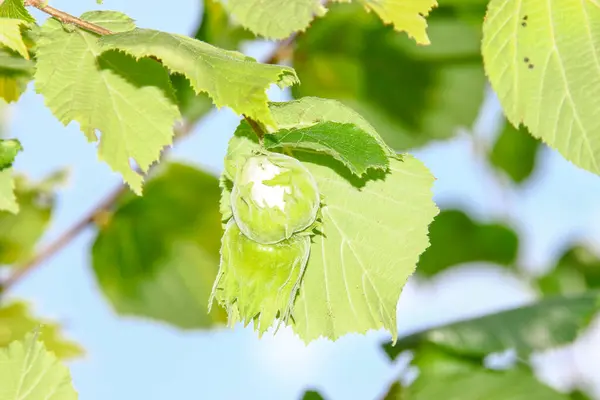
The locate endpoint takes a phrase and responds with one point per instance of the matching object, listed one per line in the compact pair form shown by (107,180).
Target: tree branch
(281,52)
(67,18)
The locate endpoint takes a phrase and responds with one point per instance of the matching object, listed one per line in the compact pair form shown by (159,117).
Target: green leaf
(457,239)
(8,200)
(15,9)
(218,29)
(374,230)
(515,152)
(411,94)
(577,270)
(533,57)
(158,255)
(130,102)
(10,62)
(15,73)
(19,233)
(228,77)
(278,19)
(348,143)
(312,395)
(275,19)
(407,16)
(16,322)
(8,151)
(548,323)
(10,35)
(513,384)
(30,372)
(443,375)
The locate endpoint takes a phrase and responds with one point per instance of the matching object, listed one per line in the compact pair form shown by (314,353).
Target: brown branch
(67,18)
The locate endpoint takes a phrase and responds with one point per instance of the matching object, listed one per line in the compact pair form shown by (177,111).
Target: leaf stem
(260,132)
(67,18)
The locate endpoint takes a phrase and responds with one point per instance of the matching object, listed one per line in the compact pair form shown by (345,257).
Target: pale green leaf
(130,102)
(348,143)
(230,78)
(15,9)
(374,230)
(540,326)
(30,372)
(8,200)
(16,322)
(410,94)
(20,233)
(405,15)
(158,255)
(542,58)
(275,19)
(10,36)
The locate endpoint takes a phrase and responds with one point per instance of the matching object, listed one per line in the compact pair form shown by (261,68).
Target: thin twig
(64,239)
(281,52)
(67,18)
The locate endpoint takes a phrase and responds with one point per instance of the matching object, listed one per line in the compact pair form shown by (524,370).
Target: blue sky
(130,358)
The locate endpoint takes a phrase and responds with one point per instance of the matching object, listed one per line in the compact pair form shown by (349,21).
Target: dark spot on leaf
(525,18)
(530,66)
(524,24)
(526,59)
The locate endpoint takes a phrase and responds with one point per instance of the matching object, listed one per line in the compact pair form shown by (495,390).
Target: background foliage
(419,98)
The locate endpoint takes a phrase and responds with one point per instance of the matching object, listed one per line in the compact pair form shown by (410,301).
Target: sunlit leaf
(131,103)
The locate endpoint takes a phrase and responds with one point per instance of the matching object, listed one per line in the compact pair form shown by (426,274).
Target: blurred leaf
(312,395)
(515,152)
(457,239)
(30,372)
(218,29)
(16,322)
(395,392)
(443,375)
(158,255)
(579,395)
(8,200)
(15,73)
(20,232)
(546,324)
(577,270)
(479,384)
(8,151)
(411,94)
